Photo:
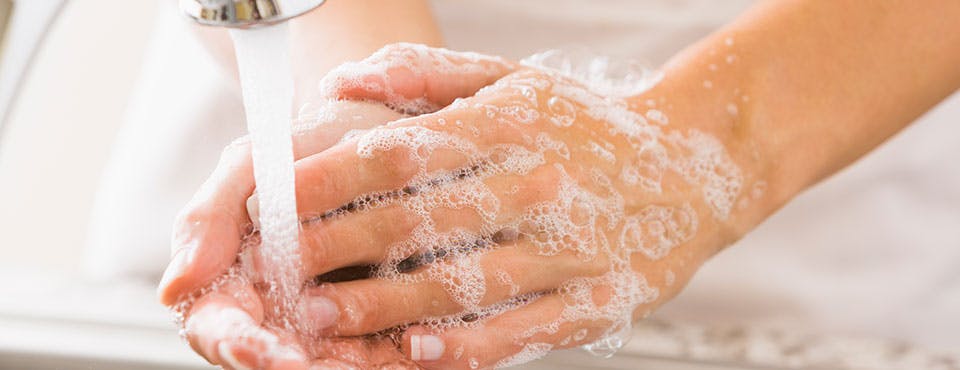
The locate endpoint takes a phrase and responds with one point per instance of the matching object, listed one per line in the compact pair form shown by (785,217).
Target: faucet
(245,13)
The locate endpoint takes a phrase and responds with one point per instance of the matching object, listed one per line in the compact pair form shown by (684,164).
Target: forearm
(798,89)
(337,32)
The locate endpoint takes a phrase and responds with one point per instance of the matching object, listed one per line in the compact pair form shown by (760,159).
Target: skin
(828,80)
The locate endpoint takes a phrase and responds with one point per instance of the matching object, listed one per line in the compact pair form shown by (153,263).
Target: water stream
(265,77)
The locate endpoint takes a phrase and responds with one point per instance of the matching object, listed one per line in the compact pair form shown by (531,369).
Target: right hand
(224,325)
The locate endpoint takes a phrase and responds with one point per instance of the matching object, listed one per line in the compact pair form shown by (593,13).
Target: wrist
(709,88)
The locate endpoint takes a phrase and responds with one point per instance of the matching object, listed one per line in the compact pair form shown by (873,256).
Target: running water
(264,64)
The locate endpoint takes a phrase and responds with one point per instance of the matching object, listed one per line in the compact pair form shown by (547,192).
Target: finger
(445,288)
(321,127)
(224,327)
(371,236)
(407,152)
(415,78)
(208,232)
(264,350)
(327,122)
(511,338)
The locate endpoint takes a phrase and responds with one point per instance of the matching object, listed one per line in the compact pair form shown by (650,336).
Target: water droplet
(732,109)
(563,110)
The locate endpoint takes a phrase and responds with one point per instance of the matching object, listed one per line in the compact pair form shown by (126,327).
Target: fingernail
(227,357)
(253,210)
(425,347)
(321,312)
(178,265)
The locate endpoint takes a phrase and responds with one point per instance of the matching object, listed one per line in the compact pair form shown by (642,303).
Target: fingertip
(189,271)
(227,357)
(424,347)
(206,247)
(320,312)
(168,290)
(210,326)
(289,364)
(253,209)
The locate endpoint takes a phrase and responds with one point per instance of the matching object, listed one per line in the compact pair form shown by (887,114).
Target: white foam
(610,77)
(530,352)
(420,61)
(656,230)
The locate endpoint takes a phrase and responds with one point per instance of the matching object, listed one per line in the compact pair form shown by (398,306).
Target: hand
(570,230)
(220,309)
(226,324)
(536,215)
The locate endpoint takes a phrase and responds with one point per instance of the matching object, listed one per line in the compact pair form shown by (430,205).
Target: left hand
(535,215)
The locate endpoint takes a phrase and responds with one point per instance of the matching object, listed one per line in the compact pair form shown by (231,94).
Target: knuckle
(356,316)
(596,266)
(395,165)
(542,186)
(316,248)
(318,183)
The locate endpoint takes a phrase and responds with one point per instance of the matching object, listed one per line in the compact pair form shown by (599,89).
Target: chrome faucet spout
(245,13)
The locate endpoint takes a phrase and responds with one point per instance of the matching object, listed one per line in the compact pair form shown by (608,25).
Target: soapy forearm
(799,89)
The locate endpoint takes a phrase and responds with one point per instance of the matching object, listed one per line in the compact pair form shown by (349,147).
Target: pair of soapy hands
(582,223)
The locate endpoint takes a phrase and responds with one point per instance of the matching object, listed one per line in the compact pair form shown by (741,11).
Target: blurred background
(66,74)
(95,124)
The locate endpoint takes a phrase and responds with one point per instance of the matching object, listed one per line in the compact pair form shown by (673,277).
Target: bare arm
(794,90)
(814,84)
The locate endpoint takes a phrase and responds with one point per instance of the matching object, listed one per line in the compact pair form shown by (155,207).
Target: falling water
(263,60)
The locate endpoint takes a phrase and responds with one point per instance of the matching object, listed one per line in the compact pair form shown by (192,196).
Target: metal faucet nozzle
(245,13)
